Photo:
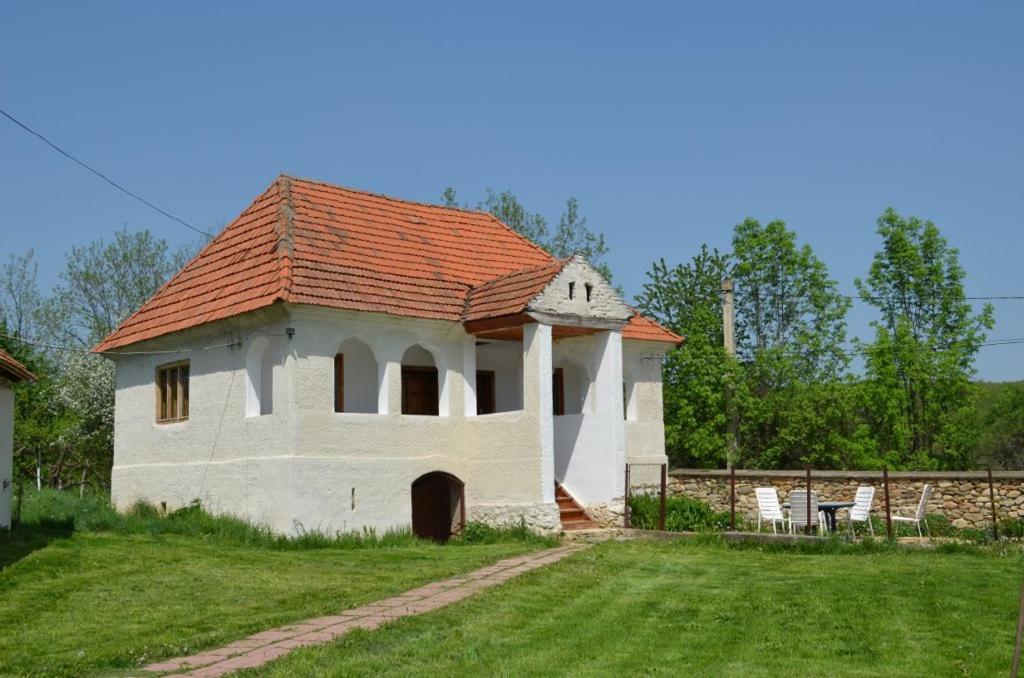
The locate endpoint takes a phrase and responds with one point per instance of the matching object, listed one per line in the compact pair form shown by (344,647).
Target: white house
(11,371)
(339,360)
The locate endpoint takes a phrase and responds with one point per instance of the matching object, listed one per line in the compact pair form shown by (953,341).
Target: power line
(1005,297)
(101,175)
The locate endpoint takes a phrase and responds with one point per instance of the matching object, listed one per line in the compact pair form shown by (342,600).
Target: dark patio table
(829,508)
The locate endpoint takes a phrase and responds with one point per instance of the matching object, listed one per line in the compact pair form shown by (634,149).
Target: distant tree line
(790,389)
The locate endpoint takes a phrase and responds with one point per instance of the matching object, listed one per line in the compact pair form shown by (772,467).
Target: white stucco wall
(645,425)
(297,468)
(6,452)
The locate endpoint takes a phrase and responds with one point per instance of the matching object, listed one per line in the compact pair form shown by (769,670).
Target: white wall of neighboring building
(645,425)
(6,452)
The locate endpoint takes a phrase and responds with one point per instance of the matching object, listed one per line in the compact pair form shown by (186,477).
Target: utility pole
(729,336)
(728,319)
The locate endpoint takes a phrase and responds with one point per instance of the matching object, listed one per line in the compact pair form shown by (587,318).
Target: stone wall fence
(961,496)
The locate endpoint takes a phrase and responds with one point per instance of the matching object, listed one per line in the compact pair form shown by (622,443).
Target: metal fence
(646,479)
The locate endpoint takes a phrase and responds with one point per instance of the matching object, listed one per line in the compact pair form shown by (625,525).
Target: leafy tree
(1001,442)
(919,366)
(686,299)
(571,236)
(64,421)
(789,313)
(793,406)
(103,283)
(20,300)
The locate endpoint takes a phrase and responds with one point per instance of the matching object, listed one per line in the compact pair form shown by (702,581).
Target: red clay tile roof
(510,293)
(12,369)
(643,328)
(308,242)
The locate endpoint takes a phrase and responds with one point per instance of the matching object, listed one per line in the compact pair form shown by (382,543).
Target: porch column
(537,399)
(608,391)
(469,376)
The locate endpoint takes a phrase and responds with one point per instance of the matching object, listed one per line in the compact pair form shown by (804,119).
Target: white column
(537,399)
(608,389)
(390,398)
(469,376)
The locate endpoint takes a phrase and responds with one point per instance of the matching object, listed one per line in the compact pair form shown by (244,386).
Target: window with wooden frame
(172,392)
(558,391)
(485,399)
(419,390)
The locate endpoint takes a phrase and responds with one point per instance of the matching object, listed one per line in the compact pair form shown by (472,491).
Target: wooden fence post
(992,500)
(661,505)
(808,530)
(732,497)
(888,508)
(625,509)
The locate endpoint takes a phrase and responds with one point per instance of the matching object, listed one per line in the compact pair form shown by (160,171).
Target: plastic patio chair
(769,509)
(918,517)
(860,512)
(798,511)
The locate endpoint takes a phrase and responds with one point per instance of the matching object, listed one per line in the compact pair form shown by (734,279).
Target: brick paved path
(260,648)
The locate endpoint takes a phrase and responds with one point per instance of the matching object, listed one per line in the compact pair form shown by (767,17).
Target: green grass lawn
(74,602)
(622,609)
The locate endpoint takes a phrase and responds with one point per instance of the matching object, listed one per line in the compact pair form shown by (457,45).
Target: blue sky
(670,123)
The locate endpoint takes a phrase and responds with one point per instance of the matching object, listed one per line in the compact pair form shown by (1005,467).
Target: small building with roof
(338,360)
(11,372)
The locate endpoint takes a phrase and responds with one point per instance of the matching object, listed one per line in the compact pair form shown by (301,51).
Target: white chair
(798,511)
(769,509)
(918,517)
(860,512)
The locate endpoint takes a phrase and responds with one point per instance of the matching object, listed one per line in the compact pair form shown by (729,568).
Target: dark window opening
(339,382)
(485,400)
(590,289)
(419,390)
(558,391)
(572,289)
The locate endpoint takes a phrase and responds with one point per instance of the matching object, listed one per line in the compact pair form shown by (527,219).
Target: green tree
(1001,443)
(794,405)
(686,299)
(919,366)
(103,283)
(571,236)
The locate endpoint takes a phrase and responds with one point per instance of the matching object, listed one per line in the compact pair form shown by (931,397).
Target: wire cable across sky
(101,175)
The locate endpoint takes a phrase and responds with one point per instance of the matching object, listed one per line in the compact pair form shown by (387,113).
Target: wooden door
(419,390)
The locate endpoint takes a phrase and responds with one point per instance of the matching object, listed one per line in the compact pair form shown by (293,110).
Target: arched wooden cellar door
(438,506)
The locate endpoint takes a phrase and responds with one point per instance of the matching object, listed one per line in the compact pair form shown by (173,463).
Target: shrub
(682,514)
(482,533)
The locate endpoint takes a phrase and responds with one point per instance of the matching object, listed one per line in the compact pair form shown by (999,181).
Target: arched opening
(420,385)
(570,384)
(499,376)
(259,378)
(438,506)
(356,378)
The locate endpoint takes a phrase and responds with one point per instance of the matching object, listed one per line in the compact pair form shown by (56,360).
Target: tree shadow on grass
(23,540)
